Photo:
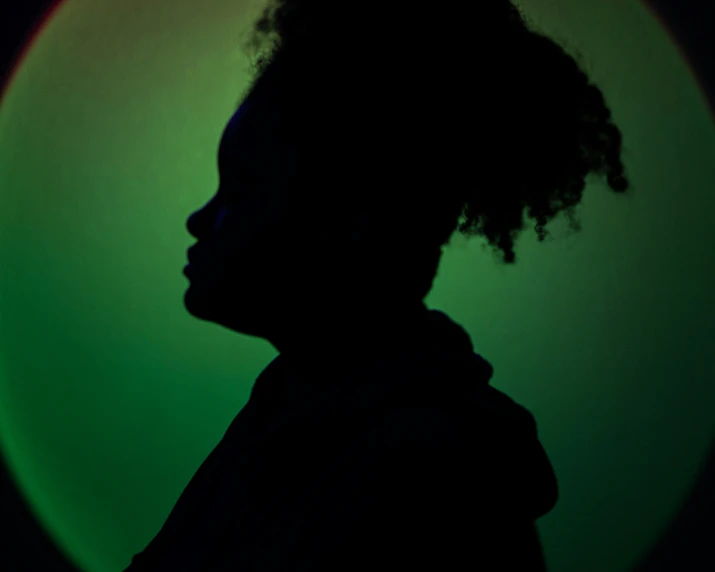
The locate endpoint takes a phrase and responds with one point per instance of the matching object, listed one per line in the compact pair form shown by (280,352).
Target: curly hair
(450,120)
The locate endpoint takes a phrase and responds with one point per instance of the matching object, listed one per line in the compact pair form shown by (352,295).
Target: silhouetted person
(374,440)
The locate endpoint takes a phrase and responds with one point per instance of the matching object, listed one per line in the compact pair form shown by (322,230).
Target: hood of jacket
(433,365)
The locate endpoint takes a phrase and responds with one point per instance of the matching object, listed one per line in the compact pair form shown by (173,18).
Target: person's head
(367,137)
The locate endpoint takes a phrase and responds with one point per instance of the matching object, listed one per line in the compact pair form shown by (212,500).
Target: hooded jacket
(403,459)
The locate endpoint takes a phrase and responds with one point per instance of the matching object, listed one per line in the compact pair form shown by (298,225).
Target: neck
(329,335)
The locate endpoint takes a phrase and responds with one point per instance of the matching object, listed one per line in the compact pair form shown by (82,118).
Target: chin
(203,306)
(196,303)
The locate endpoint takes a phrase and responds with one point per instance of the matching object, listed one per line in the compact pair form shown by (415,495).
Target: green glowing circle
(108,138)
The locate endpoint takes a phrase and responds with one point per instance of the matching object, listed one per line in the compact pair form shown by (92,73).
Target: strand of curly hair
(483,120)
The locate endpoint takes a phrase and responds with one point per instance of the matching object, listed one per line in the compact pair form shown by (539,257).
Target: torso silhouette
(404,460)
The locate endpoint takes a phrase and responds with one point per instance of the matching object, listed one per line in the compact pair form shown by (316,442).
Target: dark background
(689,544)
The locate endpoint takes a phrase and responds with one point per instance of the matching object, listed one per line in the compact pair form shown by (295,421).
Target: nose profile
(192,224)
(201,222)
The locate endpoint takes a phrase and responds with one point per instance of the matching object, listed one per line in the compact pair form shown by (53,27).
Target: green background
(111,394)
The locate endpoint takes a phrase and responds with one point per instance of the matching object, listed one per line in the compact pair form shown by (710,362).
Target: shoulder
(422,426)
(437,442)
(431,461)
(478,415)
(425,442)
(425,426)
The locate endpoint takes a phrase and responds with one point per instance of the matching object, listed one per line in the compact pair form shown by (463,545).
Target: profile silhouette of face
(251,257)
(272,262)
